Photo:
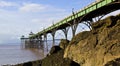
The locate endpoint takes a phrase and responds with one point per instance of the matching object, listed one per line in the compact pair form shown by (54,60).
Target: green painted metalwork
(80,13)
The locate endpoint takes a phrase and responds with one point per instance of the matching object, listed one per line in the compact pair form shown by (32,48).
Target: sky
(20,17)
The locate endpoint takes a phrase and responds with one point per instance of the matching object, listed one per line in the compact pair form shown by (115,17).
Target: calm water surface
(14,54)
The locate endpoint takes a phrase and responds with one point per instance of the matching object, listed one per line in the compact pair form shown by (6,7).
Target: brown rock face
(54,49)
(56,56)
(56,59)
(115,62)
(98,47)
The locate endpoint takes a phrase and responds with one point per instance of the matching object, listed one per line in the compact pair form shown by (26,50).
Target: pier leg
(96,19)
(53,36)
(65,31)
(33,43)
(75,23)
(40,42)
(30,43)
(45,41)
(22,43)
(88,24)
(74,28)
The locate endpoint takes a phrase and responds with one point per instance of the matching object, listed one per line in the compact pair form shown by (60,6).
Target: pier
(89,14)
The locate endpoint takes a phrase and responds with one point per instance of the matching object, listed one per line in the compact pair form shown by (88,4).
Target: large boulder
(64,43)
(56,59)
(54,49)
(98,46)
(28,64)
(115,62)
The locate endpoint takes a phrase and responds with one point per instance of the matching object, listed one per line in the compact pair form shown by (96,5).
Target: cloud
(29,7)
(27,17)
(15,23)
(32,7)
(7,4)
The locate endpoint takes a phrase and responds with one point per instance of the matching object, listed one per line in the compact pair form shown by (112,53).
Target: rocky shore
(98,47)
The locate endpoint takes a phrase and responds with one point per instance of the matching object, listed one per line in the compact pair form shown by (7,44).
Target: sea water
(14,54)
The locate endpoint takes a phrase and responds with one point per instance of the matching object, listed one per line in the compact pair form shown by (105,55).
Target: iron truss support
(39,42)
(74,28)
(96,19)
(74,25)
(65,30)
(88,24)
(53,36)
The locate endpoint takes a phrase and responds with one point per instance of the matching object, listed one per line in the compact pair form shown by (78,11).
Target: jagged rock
(54,49)
(96,47)
(28,64)
(63,43)
(115,62)
(56,59)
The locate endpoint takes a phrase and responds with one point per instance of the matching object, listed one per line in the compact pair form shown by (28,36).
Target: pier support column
(75,23)
(53,37)
(74,28)
(45,40)
(40,43)
(22,41)
(53,34)
(30,43)
(46,43)
(65,30)
(36,42)
(98,18)
(88,24)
